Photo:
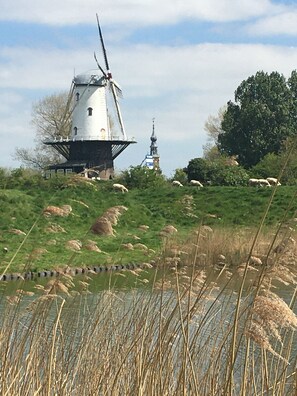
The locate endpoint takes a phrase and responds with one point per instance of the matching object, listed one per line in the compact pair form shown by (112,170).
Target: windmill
(96,138)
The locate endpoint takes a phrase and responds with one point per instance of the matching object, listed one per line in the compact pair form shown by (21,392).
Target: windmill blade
(117,87)
(99,67)
(103,48)
(118,111)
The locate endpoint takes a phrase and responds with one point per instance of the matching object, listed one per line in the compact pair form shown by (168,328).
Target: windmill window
(77,96)
(90,111)
(75,130)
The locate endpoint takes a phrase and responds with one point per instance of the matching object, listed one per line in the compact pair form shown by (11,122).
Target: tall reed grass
(189,331)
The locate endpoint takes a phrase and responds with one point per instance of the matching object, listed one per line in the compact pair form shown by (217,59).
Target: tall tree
(260,119)
(51,117)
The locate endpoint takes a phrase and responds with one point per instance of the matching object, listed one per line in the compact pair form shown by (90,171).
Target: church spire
(154,147)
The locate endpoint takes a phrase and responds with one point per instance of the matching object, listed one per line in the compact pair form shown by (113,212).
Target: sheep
(263,183)
(259,182)
(196,183)
(177,183)
(253,182)
(273,181)
(120,187)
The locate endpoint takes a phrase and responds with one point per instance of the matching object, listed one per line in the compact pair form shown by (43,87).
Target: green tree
(51,118)
(260,119)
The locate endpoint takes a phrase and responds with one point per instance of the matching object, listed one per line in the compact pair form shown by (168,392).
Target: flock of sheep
(192,183)
(123,189)
(270,181)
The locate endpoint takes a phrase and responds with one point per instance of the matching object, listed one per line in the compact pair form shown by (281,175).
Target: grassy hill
(27,233)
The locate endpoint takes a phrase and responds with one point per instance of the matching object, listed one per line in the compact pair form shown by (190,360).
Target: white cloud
(284,23)
(133,12)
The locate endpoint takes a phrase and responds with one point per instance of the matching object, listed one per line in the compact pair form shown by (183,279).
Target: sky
(177,61)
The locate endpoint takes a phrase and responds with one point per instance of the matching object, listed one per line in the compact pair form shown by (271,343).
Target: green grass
(229,207)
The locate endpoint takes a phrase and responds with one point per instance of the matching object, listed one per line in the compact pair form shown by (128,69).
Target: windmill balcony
(87,138)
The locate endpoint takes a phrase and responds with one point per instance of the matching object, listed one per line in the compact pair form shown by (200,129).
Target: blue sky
(176,61)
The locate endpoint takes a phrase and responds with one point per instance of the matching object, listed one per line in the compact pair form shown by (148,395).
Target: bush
(217,172)
(180,175)
(142,177)
(272,164)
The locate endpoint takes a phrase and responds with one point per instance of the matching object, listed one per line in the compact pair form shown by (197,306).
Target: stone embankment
(72,271)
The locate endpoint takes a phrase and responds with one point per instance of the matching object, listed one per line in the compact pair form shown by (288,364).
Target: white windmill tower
(98,134)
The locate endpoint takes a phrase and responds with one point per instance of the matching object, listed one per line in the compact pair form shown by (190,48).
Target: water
(117,302)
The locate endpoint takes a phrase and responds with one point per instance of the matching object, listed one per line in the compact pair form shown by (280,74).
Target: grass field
(36,247)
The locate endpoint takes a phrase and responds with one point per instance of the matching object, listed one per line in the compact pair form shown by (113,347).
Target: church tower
(151,160)
(154,149)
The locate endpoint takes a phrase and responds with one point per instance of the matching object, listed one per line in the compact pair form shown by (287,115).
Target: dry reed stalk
(170,340)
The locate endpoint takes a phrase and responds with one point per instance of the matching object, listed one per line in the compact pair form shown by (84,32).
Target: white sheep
(120,187)
(196,183)
(264,183)
(273,181)
(259,182)
(253,182)
(177,183)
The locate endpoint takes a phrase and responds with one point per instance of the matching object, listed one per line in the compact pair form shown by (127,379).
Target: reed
(207,319)
(172,336)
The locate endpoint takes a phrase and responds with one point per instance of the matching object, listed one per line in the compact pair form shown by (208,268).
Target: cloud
(281,24)
(133,12)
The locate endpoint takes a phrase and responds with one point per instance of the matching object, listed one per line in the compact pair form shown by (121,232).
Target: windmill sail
(112,84)
(109,75)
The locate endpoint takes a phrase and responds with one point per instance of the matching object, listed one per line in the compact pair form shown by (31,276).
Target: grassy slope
(232,206)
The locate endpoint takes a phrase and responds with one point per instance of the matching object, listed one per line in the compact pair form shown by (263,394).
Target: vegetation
(38,242)
(274,163)
(260,119)
(217,172)
(142,177)
(51,118)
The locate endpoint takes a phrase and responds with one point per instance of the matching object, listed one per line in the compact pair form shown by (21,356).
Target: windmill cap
(89,79)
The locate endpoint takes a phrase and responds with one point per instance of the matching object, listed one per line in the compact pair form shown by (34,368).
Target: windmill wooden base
(96,155)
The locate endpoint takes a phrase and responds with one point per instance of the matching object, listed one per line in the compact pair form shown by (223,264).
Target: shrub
(180,175)
(271,165)
(141,177)
(217,172)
